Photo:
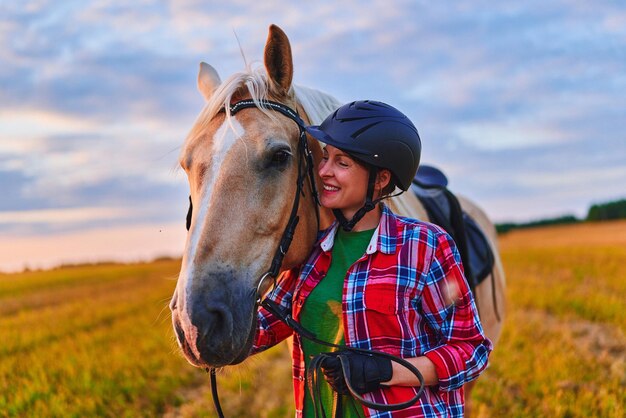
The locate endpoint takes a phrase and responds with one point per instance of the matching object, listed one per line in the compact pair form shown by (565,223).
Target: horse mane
(316,104)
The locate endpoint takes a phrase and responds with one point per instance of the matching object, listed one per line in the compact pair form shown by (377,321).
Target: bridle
(305,169)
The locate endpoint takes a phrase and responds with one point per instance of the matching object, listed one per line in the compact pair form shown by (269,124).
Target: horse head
(242,170)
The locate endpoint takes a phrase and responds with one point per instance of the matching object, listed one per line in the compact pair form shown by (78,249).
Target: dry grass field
(96,340)
(563,350)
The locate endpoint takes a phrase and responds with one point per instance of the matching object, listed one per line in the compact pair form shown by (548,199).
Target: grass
(89,341)
(563,348)
(97,340)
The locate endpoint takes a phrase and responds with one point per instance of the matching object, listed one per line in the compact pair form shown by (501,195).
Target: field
(97,341)
(563,349)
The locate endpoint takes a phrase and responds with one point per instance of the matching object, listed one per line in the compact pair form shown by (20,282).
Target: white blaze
(223,140)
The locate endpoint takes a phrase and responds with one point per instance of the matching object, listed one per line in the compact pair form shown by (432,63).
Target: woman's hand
(365,372)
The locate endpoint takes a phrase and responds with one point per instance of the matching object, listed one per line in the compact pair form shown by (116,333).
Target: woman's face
(344,181)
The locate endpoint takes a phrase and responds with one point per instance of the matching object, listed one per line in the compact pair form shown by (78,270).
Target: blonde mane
(316,104)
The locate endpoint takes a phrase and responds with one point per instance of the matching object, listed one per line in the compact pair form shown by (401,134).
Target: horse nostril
(217,325)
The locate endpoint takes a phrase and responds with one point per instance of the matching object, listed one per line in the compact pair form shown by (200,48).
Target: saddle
(443,208)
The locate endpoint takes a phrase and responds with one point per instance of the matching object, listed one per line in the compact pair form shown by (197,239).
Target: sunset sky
(523,104)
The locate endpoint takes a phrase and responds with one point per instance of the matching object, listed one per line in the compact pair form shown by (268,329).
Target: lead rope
(214,394)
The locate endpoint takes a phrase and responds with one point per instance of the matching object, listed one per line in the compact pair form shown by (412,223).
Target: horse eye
(280,159)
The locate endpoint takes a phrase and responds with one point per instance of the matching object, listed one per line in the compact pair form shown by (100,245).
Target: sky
(522,104)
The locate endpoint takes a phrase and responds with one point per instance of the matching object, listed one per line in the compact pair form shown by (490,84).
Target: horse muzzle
(214,329)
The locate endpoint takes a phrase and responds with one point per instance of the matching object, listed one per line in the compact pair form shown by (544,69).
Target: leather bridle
(305,169)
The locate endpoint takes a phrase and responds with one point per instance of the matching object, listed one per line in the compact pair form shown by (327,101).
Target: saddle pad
(481,257)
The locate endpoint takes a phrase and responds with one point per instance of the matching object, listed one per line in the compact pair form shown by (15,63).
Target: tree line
(597,212)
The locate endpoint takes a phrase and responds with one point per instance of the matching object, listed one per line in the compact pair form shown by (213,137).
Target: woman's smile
(344,181)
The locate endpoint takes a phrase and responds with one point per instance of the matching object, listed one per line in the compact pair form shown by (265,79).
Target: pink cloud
(126,244)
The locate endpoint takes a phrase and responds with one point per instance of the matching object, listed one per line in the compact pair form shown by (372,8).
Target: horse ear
(278,61)
(208,80)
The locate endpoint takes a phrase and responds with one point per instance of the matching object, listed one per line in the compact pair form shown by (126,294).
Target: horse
(242,171)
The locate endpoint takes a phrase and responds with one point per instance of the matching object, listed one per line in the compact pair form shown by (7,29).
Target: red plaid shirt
(396,299)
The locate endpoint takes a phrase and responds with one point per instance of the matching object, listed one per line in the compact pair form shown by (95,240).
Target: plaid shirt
(397,299)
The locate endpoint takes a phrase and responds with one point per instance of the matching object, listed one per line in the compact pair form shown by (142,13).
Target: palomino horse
(242,173)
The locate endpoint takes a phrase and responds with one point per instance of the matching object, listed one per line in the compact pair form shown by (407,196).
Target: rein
(305,169)
(316,364)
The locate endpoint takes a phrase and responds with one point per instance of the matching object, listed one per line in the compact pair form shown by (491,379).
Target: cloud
(576,179)
(97,96)
(62,156)
(130,243)
(64,216)
(509,135)
(19,128)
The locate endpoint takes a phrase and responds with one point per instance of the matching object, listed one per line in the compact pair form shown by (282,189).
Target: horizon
(522,106)
(175,254)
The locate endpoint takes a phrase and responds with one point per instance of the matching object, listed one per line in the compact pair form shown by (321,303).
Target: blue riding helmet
(376,134)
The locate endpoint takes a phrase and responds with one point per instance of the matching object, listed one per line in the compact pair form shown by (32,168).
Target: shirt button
(300,378)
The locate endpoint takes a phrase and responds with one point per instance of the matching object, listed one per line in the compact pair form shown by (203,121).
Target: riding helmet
(376,134)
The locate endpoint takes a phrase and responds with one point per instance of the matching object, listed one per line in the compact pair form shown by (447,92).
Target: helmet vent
(358,132)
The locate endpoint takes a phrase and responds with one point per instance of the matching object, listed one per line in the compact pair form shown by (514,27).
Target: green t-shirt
(322,310)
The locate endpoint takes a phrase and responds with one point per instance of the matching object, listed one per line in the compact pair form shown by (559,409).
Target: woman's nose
(324,169)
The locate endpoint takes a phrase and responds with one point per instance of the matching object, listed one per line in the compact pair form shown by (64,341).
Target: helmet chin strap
(348,225)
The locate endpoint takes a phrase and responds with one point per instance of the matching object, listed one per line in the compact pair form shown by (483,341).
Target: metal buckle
(258,287)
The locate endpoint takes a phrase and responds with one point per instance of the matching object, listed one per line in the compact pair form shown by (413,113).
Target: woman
(378,281)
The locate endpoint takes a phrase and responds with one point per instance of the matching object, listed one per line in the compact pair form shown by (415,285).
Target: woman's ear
(383,178)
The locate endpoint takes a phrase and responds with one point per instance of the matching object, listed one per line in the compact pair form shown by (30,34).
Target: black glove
(364,371)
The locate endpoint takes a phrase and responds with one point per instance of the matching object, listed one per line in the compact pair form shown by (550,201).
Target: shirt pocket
(385,298)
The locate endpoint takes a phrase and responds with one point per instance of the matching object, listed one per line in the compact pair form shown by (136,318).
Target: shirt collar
(383,240)
(328,239)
